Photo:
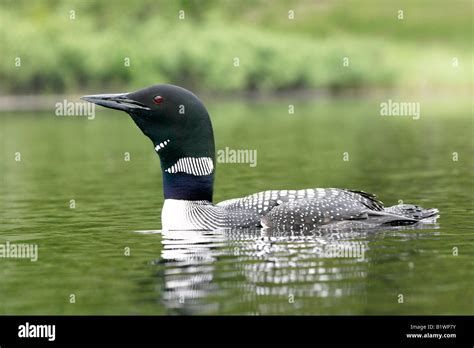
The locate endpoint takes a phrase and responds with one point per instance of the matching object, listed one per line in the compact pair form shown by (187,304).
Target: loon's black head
(179,126)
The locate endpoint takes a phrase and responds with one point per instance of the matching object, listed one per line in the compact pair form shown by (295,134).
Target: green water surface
(94,252)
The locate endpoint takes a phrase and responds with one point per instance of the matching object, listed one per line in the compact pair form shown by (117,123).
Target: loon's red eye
(158,99)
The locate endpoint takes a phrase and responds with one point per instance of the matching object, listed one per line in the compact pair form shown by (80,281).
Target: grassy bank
(111,45)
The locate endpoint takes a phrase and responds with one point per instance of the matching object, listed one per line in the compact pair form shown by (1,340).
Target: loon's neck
(189,175)
(184,186)
(186,149)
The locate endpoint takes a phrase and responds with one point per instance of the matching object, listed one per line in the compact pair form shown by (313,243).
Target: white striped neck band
(197,166)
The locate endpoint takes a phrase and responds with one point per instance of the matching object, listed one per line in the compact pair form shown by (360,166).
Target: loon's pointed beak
(120,101)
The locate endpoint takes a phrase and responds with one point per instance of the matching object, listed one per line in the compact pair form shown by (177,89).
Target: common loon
(178,124)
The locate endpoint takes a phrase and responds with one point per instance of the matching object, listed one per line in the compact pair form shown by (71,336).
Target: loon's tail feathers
(414,213)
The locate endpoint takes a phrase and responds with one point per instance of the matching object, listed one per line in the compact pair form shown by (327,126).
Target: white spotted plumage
(290,210)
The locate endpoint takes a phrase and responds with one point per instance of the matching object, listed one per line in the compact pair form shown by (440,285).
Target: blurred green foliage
(90,52)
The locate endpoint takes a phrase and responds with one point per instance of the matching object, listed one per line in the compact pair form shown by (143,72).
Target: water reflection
(201,268)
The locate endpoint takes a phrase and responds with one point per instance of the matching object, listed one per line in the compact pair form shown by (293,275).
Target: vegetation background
(71,46)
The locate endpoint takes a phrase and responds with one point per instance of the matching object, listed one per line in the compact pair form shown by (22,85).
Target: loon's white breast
(180,214)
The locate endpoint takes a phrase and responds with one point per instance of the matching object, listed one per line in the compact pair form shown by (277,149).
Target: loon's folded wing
(311,213)
(263,202)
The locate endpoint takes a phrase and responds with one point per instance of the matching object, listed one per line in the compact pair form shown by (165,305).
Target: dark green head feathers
(179,126)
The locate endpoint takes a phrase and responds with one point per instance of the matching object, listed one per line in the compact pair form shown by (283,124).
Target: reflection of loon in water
(198,269)
(179,126)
